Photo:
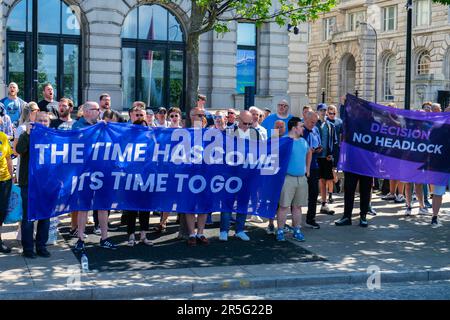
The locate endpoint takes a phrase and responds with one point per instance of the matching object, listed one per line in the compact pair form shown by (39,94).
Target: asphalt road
(433,290)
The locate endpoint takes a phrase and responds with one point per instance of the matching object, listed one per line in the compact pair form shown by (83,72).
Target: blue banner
(397,144)
(130,167)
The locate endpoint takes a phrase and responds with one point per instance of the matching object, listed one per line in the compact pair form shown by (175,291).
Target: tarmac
(394,248)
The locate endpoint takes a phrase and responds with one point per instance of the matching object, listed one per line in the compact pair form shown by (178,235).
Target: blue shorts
(440,190)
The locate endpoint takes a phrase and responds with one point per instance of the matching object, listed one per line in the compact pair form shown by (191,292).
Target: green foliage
(444,2)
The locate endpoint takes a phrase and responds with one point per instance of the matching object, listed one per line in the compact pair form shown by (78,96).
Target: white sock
(192,235)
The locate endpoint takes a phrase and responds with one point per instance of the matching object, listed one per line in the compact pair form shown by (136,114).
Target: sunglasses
(139,115)
(200,115)
(247,123)
(35,110)
(282,105)
(231,113)
(331,113)
(174,116)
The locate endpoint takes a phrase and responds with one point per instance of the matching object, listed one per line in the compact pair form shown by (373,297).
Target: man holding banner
(90,117)
(393,144)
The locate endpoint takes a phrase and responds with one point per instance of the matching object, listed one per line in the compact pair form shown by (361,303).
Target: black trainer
(43,253)
(312,224)
(363,221)
(4,248)
(29,254)
(344,221)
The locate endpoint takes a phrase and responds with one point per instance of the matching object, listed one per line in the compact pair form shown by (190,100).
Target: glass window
(129,28)
(246,34)
(152,58)
(70,23)
(47,68)
(389,78)
(176,77)
(153,23)
(128,76)
(175,33)
(50,16)
(16,64)
(422,12)
(390,18)
(328,81)
(58,57)
(423,63)
(328,25)
(70,81)
(18,17)
(354,18)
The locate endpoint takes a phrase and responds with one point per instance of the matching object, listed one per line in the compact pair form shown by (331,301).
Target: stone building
(361,46)
(135,50)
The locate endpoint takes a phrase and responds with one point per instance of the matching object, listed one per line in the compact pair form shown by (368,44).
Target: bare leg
(190,221)
(323,190)
(74,220)
(82,219)
(392,186)
(408,195)
(419,194)
(437,202)
(296,216)
(103,222)
(201,221)
(281,217)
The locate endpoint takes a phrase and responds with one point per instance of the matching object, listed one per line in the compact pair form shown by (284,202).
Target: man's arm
(23,143)
(308,161)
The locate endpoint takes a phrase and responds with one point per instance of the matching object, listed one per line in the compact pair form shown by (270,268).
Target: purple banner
(397,144)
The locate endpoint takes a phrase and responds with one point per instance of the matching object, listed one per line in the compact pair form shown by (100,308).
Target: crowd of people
(311,171)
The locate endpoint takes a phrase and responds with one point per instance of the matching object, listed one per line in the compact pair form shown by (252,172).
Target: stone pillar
(103,44)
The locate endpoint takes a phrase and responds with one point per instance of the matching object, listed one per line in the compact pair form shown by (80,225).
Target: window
(354,18)
(328,27)
(246,57)
(390,18)
(58,54)
(422,12)
(153,51)
(423,63)
(388,78)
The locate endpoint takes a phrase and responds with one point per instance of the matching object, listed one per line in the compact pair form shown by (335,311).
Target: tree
(208,15)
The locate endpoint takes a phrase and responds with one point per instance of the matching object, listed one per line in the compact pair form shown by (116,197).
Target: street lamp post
(408,55)
(376,58)
(323,95)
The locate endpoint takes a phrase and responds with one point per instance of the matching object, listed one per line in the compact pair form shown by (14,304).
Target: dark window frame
(45,39)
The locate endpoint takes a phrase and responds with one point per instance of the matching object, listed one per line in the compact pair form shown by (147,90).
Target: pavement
(402,249)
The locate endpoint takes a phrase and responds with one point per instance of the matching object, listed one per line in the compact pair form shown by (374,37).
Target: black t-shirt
(43,106)
(56,123)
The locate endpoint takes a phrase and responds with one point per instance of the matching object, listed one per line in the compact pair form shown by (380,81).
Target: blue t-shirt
(13,109)
(269,123)
(80,124)
(297,161)
(313,139)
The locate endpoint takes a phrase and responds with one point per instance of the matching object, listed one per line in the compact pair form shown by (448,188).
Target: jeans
(5,193)
(365,189)
(225,218)
(27,227)
(313,193)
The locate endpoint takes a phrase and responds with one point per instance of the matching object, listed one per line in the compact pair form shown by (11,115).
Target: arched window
(324,93)
(348,75)
(58,54)
(423,63)
(153,53)
(388,77)
(447,67)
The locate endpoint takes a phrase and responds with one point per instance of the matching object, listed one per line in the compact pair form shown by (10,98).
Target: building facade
(135,50)
(360,46)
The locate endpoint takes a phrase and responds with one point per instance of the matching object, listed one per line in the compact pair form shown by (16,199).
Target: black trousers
(144,220)
(313,193)
(5,193)
(365,188)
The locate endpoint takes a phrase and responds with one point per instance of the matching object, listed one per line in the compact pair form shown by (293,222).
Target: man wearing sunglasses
(281,114)
(244,130)
(231,117)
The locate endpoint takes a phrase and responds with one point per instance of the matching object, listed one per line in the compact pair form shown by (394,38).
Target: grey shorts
(294,192)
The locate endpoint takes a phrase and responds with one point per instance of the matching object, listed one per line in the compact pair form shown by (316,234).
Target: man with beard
(65,121)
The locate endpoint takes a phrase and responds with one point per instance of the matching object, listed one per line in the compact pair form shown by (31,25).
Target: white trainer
(243,236)
(223,236)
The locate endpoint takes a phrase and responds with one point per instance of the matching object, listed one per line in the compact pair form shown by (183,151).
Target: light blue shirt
(297,161)
(269,123)
(13,109)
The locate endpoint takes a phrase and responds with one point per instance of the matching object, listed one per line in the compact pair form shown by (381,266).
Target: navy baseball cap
(321,106)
